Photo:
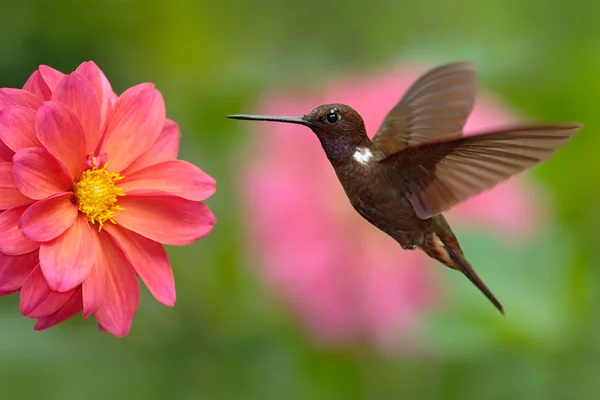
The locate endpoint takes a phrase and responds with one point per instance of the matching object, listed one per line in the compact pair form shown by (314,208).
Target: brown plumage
(419,164)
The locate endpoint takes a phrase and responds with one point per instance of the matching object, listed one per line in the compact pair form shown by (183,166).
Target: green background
(227,338)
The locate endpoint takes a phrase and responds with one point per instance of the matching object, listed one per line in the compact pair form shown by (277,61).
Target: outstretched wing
(435,107)
(440,175)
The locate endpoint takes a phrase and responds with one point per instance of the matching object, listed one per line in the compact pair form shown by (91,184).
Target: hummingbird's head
(327,121)
(335,120)
(339,128)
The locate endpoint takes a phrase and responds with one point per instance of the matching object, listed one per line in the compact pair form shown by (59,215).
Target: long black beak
(289,120)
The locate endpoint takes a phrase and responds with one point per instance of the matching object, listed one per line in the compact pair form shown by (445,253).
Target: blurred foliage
(227,338)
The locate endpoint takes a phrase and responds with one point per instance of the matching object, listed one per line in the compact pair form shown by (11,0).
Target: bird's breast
(374,197)
(363,156)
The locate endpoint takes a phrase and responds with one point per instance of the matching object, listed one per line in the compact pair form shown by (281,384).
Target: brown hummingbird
(419,164)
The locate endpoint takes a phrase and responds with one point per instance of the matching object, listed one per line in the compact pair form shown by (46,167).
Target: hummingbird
(419,164)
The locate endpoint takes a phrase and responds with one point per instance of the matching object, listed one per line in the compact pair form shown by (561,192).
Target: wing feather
(437,176)
(436,106)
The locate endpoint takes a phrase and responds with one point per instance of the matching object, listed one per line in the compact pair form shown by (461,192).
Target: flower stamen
(97,195)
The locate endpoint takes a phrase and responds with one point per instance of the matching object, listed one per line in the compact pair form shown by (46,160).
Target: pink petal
(16,97)
(134,126)
(70,309)
(51,76)
(6,154)
(36,85)
(12,241)
(150,261)
(17,128)
(38,175)
(177,177)
(165,219)
(122,294)
(15,269)
(67,260)
(37,300)
(9,194)
(76,92)
(60,131)
(95,283)
(49,218)
(165,148)
(102,88)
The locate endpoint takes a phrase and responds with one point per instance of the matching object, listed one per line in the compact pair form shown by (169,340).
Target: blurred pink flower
(92,189)
(346,280)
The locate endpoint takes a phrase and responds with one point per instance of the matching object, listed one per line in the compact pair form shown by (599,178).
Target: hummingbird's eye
(333,117)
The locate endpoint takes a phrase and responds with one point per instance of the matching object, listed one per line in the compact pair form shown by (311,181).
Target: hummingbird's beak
(289,120)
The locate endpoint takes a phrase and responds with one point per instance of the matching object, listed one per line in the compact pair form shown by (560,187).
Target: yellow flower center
(97,194)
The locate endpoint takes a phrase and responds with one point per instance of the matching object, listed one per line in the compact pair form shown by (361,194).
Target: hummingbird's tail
(443,246)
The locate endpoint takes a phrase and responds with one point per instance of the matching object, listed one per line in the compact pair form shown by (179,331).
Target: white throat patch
(362,155)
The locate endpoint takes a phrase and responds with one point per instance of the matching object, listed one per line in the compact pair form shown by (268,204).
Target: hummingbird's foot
(406,241)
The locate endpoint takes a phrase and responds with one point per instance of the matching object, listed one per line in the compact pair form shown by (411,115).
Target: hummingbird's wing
(436,106)
(439,175)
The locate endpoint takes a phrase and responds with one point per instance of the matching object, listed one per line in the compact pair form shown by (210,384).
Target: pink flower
(347,281)
(91,190)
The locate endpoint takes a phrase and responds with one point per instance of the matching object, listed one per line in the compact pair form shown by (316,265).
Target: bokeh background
(229,336)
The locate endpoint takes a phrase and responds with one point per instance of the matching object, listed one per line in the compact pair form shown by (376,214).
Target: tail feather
(449,253)
(466,268)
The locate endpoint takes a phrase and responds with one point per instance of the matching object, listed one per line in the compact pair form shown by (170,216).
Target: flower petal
(12,241)
(106,96)
(165,219)
(9,194)
(16,97)
(49,218)
(94,285)
(60,131)
(134,126)
(38,175)
(165,148)
(150,261)
(51,76)
(36,85)
(177,177)
(6,154)
(14,270)
(70,309)
(122,294)
(67,260)
(17,128)
(76,92)
(37,300)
